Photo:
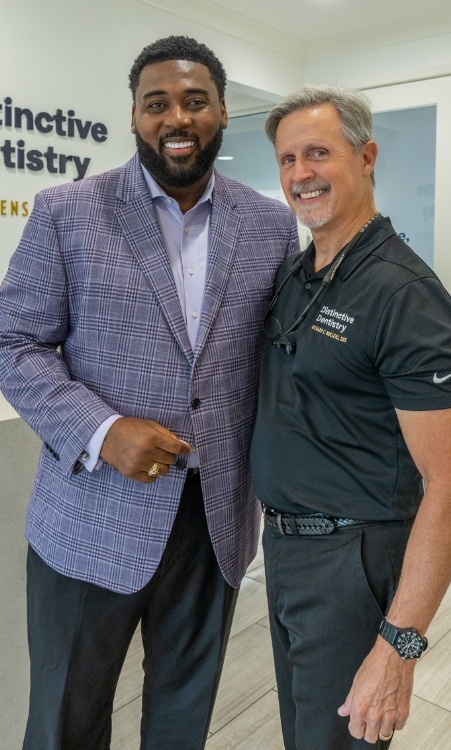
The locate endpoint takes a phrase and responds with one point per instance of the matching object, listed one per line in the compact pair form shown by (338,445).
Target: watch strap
(388,632)
(408,642)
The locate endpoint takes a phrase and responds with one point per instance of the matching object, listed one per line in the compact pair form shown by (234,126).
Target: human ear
(369,155)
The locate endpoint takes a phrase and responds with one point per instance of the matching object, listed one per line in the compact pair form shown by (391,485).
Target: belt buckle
(279,523)
(276,518)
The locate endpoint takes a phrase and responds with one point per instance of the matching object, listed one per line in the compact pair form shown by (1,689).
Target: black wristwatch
(407,641)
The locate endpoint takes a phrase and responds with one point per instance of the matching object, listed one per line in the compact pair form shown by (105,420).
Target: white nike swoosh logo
(436,379)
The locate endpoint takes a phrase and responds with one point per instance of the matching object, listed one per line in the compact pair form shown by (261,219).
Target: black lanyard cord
(278,339)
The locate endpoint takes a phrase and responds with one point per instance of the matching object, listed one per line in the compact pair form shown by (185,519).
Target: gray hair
(353,109)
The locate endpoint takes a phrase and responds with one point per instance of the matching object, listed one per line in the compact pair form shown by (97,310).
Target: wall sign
(15,155)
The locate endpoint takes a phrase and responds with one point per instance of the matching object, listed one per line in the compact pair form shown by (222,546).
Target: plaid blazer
(91,324)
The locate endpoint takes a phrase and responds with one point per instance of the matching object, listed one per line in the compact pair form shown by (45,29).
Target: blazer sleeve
(34,322)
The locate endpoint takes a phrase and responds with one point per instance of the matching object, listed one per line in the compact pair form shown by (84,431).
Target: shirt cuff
(90,458)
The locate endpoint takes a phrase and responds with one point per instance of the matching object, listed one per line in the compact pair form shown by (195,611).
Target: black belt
(311,525)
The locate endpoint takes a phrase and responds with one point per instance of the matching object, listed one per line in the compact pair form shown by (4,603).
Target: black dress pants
(327,596)
(79,634)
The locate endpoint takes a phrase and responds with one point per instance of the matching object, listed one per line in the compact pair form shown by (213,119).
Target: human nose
(302,170)
(177,115)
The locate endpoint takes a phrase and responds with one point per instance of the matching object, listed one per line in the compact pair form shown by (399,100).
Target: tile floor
(246,714)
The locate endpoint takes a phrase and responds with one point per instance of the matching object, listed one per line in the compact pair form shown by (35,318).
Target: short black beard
(176,176)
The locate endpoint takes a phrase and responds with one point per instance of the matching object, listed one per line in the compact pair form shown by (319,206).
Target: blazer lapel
(225,225)
(137,217)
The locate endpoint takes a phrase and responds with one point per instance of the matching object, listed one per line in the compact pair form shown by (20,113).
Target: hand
(133,445)
(379,699)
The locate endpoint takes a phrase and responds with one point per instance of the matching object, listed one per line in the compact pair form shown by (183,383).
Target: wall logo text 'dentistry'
(15,155)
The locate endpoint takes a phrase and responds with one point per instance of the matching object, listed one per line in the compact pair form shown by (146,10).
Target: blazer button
(195,403)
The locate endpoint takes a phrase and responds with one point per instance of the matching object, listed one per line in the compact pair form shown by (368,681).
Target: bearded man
(130,341)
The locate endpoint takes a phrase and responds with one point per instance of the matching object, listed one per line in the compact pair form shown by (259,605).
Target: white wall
(389,63)
(76,54)
(59,54)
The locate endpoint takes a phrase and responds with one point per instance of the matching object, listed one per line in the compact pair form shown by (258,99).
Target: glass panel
(253,160)
(405,169)
(405,174)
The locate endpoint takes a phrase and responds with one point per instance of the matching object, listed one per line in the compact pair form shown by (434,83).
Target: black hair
(179,48)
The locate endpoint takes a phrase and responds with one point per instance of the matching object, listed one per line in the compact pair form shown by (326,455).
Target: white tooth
(313,194)
(186,144)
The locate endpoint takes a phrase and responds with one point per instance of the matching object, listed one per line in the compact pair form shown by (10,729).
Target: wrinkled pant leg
(327,596)
(185,632)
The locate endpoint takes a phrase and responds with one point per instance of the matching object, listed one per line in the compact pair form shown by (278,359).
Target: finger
(168,441)
(159,470)
(378,728)
(172,445)
(159,455)
(371,733)
(358,721)
(358,730)
(385,733)
(345,709)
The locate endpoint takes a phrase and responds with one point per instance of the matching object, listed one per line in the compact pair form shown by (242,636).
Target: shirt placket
(193,271)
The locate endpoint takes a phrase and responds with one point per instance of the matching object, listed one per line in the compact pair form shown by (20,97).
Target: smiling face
(178,119)
(326,183)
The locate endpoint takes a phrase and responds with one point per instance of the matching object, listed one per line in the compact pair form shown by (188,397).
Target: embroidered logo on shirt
(338,321)
(436,378)
(334,319)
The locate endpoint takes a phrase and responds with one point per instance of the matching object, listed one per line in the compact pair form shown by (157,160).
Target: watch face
(409,644)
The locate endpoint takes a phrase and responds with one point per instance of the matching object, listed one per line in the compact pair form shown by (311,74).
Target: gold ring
(383,737)
(154,470)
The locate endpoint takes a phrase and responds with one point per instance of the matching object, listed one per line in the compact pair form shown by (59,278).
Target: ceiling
(317,20)
(315,29)
(311,30)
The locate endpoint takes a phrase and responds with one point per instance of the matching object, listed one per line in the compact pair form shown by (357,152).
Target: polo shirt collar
(375,235)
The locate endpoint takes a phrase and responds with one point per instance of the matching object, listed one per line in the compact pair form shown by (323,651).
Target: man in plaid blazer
(130,341)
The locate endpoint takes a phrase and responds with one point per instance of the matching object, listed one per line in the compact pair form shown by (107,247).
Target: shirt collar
(374,236)
(157,192)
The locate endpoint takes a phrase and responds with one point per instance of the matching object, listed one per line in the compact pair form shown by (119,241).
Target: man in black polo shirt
(352,447)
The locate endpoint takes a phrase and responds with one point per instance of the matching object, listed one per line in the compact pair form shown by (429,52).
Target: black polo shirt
(327,438)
